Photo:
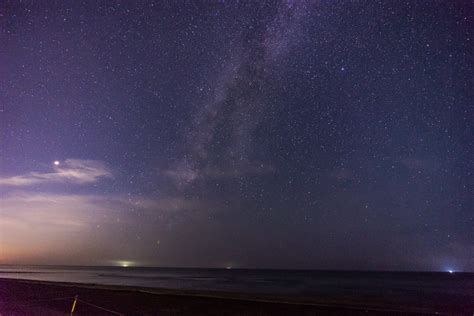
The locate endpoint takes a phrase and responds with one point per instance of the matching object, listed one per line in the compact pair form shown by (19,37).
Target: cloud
(33,225)
(75,171)
(26,210)
(76,210)
(182,174)
(69,212)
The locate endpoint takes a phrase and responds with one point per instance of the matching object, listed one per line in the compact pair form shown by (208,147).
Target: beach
(236,157)
(27,297)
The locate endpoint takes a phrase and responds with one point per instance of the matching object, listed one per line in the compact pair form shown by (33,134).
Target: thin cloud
(70,211)
(33,224)
(77,171)
(182,174)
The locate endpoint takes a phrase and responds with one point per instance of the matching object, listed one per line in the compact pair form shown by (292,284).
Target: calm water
(321,283)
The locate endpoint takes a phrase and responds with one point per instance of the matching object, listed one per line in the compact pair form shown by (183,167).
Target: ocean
(282,282)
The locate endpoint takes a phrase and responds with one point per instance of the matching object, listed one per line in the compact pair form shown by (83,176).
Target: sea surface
(434,285)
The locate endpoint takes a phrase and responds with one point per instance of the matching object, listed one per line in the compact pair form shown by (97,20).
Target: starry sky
(253,134)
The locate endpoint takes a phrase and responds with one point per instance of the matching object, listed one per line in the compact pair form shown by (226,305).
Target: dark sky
(321,135)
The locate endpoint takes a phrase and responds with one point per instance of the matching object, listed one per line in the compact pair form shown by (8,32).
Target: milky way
(293,134)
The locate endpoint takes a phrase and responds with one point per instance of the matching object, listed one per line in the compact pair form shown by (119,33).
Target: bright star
(56,163)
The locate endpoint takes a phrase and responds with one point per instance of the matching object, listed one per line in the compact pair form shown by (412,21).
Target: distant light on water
(125,264)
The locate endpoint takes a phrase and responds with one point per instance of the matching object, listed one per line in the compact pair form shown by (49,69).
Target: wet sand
(22,297)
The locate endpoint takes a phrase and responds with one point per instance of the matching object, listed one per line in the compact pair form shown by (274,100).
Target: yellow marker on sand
(74,305)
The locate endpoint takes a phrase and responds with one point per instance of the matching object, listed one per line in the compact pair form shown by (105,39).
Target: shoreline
(302,270)
(125,299)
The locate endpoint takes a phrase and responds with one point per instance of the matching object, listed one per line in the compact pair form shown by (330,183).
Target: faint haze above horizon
(265,134)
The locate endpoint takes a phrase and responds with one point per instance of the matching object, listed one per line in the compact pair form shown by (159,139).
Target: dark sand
(20,297)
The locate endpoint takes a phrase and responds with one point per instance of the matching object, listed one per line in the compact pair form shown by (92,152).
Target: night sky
(318,135)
